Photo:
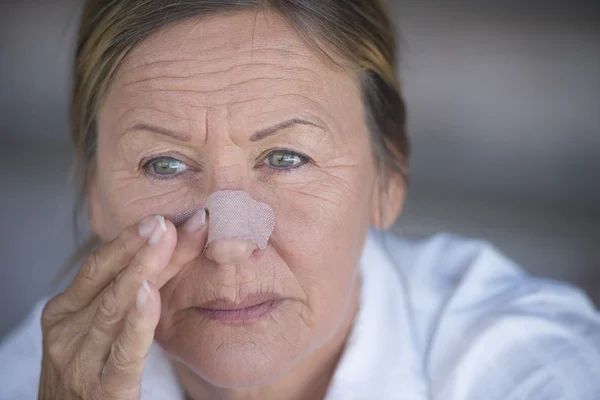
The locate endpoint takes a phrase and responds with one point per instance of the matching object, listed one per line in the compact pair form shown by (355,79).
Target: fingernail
(161,222)
(196,222)
(142,295)
(147,227)
(159,230)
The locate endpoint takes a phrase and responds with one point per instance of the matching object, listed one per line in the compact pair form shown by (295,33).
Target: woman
(234,156)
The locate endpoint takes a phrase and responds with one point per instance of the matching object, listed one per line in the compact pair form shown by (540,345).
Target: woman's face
(215,83)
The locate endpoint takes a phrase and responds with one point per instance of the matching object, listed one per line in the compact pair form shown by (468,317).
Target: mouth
(249,310)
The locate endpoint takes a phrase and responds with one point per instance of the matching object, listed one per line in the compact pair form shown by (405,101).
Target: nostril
(256,254)
(230,250)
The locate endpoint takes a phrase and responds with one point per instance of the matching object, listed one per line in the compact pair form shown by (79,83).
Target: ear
(387,201)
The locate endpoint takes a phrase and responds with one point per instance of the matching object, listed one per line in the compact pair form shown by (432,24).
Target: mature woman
(240,161)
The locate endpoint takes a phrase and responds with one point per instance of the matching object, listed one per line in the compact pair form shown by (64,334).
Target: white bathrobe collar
(380,361)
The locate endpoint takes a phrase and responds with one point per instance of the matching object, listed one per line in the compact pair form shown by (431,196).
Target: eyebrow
(161,131)
(259,135)
(263,133)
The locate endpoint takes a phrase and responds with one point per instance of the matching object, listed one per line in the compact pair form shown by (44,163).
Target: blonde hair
(357,31)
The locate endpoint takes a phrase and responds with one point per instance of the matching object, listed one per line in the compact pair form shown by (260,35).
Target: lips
(247,311)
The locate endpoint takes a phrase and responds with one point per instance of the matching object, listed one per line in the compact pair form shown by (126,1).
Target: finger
(191,240)
(117,300)
(104,264)
(122,373)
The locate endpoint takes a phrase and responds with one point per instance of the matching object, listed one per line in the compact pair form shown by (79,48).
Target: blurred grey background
(504,116)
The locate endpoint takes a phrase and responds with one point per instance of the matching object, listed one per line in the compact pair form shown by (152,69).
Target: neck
(309,379)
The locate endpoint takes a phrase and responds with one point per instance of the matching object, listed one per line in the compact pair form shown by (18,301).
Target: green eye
(284,159)
(167,166)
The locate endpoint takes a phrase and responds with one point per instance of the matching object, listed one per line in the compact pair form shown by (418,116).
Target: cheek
(319,233)
(127,198)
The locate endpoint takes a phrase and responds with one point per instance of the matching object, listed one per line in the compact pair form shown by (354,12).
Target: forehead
(207,38)
(245,62)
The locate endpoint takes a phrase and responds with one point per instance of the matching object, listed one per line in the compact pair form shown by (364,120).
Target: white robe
(444,318)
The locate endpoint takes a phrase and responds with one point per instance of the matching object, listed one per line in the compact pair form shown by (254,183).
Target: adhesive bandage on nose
(234,214)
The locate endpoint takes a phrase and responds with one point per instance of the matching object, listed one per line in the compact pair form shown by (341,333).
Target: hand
(98,332)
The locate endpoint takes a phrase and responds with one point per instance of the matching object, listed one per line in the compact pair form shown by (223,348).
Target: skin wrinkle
(324,187)
(233,68)
(157,130)
(219,92)
(322,209)
(270,53)
(223,283)
(200,63)
(154,111)
(282,98)
(270,291)
(124,130)
(133,202)
(232,85)
(134,68)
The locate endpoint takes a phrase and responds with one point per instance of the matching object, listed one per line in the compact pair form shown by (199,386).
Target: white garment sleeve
(521,358)
(523,339)
(21,358)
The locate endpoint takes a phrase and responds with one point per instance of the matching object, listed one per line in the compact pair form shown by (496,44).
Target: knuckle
(109,311)
(136,272)
(124,358)
(131,330)
(51,312)
(92,266)
(55,350)
(139,269)
(61,342)
(54,334)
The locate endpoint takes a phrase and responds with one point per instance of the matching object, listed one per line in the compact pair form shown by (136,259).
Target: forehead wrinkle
(227,62)
(209,81)
(220,89)
(137,110)
(153,110)
(314,103)
(282,57)
(228,92)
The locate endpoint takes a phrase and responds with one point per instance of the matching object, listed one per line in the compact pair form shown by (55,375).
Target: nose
(230,251)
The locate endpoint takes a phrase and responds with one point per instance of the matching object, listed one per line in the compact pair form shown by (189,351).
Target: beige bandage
(234,214)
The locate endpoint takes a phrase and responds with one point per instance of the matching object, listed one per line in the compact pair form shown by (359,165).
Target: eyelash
(146,165)
(288,170)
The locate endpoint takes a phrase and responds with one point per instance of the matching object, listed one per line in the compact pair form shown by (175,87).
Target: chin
(239,366)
